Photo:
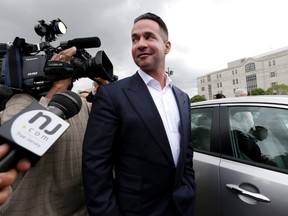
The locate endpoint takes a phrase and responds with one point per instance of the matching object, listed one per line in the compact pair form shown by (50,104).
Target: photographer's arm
(58,86)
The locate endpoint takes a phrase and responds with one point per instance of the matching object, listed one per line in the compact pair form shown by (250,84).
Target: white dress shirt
(165,102)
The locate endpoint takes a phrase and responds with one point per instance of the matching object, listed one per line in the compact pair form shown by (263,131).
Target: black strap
(13,69)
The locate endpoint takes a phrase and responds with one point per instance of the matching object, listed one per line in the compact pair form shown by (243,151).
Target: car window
(201,128)
(260,134)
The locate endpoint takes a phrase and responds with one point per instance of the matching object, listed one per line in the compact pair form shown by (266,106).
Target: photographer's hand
(61,85)
(9,177)
(65,55)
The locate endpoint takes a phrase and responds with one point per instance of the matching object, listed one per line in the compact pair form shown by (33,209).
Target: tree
(197,98)
(280,89)
(258,91)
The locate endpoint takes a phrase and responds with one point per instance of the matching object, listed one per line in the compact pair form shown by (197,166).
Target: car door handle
(256,196)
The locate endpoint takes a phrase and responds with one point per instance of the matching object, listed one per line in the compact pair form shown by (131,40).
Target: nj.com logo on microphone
(37,130)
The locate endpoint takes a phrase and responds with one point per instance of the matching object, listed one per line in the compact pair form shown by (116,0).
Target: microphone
(36,128)
(5,94)
(65,104)
(82,43)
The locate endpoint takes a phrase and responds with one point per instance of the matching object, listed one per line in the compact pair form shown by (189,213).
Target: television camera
(27,67)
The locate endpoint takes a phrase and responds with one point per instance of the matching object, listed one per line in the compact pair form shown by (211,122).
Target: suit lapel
(181,99)
(148,113)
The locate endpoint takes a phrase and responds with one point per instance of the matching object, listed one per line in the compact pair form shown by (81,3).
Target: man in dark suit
(137,153)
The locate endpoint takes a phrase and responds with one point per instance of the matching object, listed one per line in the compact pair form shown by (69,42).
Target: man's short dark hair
(155,18)
(219,96)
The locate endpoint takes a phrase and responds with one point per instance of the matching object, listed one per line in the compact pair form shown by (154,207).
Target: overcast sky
(205,34)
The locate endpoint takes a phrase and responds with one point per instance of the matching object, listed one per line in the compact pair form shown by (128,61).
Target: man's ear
(167,47)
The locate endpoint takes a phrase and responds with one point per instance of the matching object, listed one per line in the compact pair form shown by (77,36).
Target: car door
(251,186)
(206,161)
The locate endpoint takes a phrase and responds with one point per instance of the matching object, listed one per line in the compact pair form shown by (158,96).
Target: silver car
(241,156)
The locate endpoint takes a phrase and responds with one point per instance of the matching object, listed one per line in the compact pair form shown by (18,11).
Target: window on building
(220,84)
(274,63)
(269,63)
(208,78)
(232,72)
(273,74)
(202,88)
(235,71)
(251,82)
(250,67)
(236,81)
(273,84)
(217,85)
(233,82)
(210,91)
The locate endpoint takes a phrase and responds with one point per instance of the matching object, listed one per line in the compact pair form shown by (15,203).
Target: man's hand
(9,177)
(61,85)
(65,55)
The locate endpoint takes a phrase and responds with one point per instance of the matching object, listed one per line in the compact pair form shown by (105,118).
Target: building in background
(263,71)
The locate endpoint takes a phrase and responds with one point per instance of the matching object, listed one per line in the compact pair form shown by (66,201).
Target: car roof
(271,99)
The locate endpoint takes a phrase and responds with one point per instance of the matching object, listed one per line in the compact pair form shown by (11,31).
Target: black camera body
(27,67)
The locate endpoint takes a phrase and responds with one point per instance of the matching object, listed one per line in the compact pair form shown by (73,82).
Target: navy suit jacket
(128,167)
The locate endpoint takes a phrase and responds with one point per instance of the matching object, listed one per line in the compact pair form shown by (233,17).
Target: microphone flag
(34,129)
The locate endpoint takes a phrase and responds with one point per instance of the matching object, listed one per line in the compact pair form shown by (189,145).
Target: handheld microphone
(65,104)
(82,43)
(35,129)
